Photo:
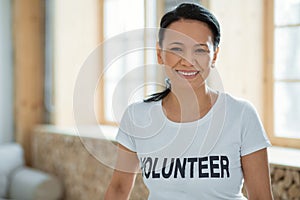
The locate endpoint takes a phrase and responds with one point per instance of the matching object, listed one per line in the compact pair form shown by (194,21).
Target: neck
(188,104)
(191,96)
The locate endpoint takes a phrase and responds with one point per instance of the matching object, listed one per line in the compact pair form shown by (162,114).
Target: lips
(187,73)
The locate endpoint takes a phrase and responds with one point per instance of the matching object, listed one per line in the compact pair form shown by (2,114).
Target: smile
(187,73)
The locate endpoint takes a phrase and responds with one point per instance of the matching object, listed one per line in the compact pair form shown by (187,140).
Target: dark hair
(186,11)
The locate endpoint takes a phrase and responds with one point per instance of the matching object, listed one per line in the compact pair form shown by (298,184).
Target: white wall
(240,62)
(6,73)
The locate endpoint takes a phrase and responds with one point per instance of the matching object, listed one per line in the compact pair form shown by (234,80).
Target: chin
(189,85)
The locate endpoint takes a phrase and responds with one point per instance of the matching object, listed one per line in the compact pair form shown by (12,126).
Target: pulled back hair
(194,12)
(186,11)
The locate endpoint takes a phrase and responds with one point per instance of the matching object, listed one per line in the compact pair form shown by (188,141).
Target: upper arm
(124,174)
(256,174)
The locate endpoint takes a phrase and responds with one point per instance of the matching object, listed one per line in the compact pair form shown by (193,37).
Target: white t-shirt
(193,160)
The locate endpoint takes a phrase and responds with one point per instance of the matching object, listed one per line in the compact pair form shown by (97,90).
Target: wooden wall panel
(28,39)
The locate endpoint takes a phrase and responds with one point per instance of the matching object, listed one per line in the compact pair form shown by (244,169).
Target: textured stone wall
(84,177)
(285,182)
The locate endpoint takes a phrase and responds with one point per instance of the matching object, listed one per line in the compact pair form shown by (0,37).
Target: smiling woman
(191,142)
(187,53)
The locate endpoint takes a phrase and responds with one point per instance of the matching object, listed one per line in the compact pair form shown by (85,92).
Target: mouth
(188,74)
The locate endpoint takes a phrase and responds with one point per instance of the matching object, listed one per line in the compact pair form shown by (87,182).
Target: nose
(187,60)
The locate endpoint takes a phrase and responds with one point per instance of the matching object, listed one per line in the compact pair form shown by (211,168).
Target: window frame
(269,29)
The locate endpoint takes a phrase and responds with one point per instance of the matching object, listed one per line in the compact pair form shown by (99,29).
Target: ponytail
(160,95)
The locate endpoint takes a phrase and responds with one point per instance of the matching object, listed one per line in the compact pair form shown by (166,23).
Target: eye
(176,49)
(200,51)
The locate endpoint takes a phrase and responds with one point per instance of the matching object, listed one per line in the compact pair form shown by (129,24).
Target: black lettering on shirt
(208,167)
(192,161)
(155,174)
(147,173)
(202,166)
(214,166)
(224,166)
(180,167)
(169,173)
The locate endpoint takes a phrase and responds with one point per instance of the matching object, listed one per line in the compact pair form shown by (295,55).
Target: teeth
(188,73)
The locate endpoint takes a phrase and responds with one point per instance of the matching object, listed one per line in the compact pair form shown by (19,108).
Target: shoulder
(141,111)
(238,103)
(240,107)
(140,106)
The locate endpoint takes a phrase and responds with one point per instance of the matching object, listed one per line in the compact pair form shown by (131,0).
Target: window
(6,73)
(283,69)
(124,57)
(48,82)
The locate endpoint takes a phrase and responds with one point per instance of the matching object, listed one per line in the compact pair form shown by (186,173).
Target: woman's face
(187,53)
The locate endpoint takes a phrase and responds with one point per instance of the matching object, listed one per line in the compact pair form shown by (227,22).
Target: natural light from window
(124,73)
(287,68)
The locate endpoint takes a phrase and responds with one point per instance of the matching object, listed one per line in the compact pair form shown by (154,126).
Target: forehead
(188,32)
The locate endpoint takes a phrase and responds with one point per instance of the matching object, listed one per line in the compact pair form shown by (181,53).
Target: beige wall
(76,34)
(240,61)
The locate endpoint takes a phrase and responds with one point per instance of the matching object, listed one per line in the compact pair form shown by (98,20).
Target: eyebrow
(202,45)
(179,43)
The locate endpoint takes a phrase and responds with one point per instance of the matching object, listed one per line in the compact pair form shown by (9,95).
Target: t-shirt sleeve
(124,135)
(254,136)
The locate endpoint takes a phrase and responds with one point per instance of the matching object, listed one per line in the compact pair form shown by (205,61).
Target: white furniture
(23,183)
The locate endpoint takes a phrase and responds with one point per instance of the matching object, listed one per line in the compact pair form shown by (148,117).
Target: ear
(159,52)
(215,55)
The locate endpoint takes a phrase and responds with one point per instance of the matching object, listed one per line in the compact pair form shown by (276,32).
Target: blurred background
(45,45)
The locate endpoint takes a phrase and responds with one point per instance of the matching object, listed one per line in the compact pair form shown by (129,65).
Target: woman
(190,141)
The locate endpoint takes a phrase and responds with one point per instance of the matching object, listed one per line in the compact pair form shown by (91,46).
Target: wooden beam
(285,142)
(28,37)
(268,66)
(101,100)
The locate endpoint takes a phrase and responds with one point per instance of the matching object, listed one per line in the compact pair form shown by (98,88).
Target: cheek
(171,59)
(168,70)
(204,61)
